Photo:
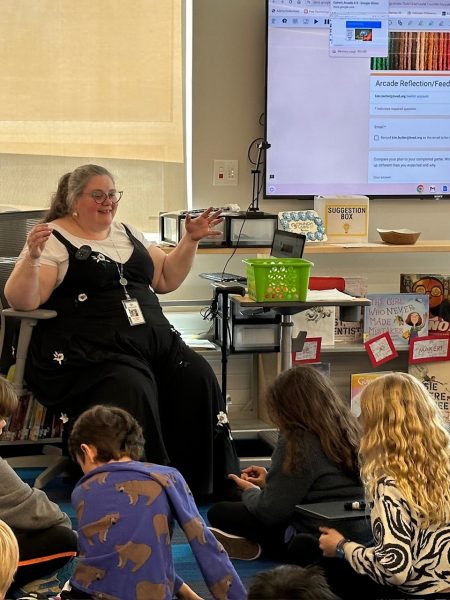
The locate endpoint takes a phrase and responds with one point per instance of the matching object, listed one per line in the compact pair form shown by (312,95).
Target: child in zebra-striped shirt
(405,468)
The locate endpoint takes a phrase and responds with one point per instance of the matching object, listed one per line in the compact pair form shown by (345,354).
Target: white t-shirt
(117,246)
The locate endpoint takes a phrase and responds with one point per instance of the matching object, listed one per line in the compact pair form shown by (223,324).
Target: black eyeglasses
(99,197)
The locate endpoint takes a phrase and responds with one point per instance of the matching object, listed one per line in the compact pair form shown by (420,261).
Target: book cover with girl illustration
(404,316)
(437,288)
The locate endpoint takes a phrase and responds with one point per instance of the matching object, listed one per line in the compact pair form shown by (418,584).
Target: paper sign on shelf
(380,349)
(429,349)
(310,352)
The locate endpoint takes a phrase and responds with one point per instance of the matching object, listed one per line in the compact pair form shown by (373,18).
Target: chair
(16,328)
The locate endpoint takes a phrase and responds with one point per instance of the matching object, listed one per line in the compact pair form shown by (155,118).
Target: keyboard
(224,277)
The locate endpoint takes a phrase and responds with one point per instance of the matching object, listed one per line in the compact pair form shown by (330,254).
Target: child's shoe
(237,547)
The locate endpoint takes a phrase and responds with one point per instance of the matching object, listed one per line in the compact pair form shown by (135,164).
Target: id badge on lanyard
(133,311)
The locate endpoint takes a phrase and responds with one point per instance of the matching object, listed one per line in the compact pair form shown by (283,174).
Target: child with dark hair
(41,529)
(315,460)
(290,582)
(126,511)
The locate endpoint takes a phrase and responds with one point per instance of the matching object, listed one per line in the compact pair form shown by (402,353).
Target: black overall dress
(90,354)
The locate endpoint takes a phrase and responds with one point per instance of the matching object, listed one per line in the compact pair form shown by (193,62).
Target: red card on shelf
(429,349)
(310,352)
(380,349)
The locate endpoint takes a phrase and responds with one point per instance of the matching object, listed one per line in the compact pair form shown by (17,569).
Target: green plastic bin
(278,279)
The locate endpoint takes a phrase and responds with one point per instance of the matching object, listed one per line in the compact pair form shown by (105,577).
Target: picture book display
(437,288)
(357,384)
(404,316)
(435,376)
(317,321)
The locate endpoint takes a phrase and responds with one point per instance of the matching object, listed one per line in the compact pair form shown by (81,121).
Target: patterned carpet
(186,566)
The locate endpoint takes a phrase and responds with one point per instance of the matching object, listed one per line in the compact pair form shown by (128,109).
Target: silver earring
(75,214)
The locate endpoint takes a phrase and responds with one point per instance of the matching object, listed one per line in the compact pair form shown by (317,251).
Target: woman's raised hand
(203,225)
(37,238)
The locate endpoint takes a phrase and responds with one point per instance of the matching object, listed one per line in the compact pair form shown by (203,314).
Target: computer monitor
(287,244)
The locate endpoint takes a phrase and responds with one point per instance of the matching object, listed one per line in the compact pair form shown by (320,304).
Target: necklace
(131,305)
(119,263)
(119,266)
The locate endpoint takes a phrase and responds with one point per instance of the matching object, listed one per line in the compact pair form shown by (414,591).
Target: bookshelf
(348,248)
(50,440)
(379,247)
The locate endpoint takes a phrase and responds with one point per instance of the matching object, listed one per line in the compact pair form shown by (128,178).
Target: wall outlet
(225,172)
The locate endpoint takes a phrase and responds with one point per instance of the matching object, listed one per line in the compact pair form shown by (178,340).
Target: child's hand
(241,483)
(255,474)
(329,540)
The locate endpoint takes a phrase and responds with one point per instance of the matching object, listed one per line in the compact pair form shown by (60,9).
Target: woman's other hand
(37,238)
(255,474)
(329,540)
(203,225)
(241,483)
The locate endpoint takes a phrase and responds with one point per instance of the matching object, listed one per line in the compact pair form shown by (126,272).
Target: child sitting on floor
(41,529)
(315,460)
(126,511)
(405,467)
(290,582)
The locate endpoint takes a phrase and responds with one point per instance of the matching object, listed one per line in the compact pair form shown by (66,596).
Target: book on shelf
(358,381)
(435,376)
(437,287)
(31,421)
(317,321)
(404,316)
(351,331)
(22,416)
(28,421)
(35,426)
(57,426)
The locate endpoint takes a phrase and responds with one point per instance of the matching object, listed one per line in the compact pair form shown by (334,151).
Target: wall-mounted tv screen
(358,98)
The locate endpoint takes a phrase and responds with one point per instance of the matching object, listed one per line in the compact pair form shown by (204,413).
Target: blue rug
(59,491)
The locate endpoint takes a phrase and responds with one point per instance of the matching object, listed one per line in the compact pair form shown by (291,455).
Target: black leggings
(44,542)
(342,579)
(177,411)
(235,518)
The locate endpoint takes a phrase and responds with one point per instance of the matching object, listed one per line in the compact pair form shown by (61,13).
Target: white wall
(228,99)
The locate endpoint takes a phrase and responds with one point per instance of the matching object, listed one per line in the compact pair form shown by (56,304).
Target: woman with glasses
(110,342)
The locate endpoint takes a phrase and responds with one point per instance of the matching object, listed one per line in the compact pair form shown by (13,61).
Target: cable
(209,313)
(255,144)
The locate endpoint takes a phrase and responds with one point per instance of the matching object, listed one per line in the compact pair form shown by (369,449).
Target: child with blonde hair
(405,468)
(9,557)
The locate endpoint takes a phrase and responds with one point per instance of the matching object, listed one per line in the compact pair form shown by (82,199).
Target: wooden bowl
(399,236)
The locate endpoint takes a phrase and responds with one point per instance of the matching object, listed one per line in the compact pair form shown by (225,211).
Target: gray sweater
(316,479)
(24,508)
